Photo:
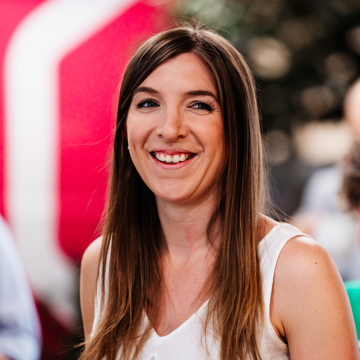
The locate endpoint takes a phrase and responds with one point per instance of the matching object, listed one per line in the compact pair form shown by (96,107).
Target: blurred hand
(3,357)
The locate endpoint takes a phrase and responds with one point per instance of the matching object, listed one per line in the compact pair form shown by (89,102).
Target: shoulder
(90,262)
(88,279)
(309,303)
(91,255)
(303,268)
(301,256)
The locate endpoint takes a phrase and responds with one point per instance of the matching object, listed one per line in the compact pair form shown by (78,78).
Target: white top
(186,342)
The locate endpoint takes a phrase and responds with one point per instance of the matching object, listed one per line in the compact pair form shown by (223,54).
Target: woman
(187,260)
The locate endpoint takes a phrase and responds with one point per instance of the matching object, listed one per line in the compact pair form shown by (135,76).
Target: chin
(175,198)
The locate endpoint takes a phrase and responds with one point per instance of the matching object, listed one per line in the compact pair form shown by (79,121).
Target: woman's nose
(172,126)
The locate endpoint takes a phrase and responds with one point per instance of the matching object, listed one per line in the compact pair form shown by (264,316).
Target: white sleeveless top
(187,343)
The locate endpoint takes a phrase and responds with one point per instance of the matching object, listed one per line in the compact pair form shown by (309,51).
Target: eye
(203,105)
(148,103)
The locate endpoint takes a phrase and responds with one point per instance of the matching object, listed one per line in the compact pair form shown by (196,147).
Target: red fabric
(88,79)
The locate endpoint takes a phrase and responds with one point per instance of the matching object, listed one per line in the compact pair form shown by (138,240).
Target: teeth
(171,159)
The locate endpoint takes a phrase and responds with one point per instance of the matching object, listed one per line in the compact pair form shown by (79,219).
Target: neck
(186,228)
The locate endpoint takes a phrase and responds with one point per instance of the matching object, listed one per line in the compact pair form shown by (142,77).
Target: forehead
(183,70)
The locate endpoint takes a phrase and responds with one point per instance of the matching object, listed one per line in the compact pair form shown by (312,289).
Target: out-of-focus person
(351,181)
(351,193)
(321,213)
(20,335)
(352,110)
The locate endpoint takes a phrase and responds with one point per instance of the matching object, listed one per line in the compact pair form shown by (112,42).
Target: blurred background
(62,61)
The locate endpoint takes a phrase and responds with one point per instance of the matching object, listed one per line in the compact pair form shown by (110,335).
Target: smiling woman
(174,123)
(188,266)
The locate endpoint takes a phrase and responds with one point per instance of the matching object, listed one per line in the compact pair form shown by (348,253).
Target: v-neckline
(191,317)
(186,322)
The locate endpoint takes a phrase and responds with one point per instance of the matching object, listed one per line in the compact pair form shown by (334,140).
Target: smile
(172,159)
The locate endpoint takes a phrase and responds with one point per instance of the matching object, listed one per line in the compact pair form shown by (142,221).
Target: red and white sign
(61,65)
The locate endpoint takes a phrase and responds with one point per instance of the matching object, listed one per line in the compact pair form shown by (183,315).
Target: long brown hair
(132,228)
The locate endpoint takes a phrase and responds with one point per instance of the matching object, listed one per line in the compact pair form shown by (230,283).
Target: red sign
(62,62)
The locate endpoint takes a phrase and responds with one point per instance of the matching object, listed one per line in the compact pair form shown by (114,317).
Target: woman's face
(175,132)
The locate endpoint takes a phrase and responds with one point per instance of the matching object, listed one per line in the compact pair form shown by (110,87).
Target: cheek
(130,128)
(216,142)
(217,138)
(138,135)
(136,131)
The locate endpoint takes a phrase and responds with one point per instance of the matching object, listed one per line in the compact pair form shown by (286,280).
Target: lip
(172,152)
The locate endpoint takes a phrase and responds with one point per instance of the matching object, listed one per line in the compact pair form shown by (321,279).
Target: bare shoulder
(92,254)
(309,304)
(89,270)
(305,265)
(90,264)
(303,256)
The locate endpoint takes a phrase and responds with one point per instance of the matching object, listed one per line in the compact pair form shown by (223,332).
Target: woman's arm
(89,270)
(309,305)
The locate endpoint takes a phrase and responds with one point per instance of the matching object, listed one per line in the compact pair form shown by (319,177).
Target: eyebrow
(145,89)
(202,92)
(191,93)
